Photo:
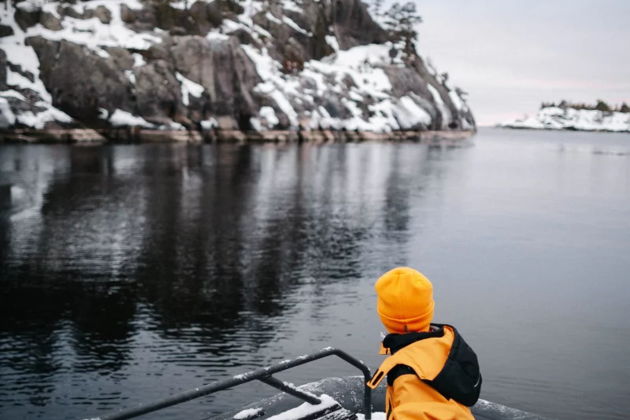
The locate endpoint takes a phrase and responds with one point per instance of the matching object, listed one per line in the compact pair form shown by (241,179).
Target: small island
(576,116)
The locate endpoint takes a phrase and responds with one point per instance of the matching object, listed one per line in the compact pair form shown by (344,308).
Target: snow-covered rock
(567,118)
(294,65)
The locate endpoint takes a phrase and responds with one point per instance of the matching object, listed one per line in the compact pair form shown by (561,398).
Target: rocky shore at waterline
(135,135)
(218,70)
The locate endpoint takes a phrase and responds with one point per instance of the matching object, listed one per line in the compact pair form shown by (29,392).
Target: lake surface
(131,272)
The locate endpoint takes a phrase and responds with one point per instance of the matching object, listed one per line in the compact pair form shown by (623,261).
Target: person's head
(404,300)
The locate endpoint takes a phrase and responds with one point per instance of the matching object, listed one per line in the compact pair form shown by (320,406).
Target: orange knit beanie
(404,300)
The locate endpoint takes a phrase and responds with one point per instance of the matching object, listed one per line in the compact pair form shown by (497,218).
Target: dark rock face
(354,25)
(204,20)
(140,20)
(49,21)
(96,83)
(157,92)
(5,31)
(293,45)
(122,58)
(26,19)
(80,81)
(198,19)
(223,69)
(101,12)
(3,70)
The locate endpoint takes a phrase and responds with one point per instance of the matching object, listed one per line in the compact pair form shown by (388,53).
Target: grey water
(131,272)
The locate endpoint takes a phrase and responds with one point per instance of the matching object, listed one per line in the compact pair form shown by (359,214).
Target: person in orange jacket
(431,372)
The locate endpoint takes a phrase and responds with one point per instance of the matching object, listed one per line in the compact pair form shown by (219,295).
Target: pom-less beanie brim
(403,325)
(404,300)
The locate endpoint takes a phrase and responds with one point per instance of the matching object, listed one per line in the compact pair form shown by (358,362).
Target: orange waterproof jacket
(431,375)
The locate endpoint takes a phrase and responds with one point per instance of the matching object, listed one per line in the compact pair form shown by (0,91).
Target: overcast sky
(510,55)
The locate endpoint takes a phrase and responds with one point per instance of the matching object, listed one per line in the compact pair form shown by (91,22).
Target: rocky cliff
(245,66)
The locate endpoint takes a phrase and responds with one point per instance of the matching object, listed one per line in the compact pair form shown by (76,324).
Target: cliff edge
(228,66)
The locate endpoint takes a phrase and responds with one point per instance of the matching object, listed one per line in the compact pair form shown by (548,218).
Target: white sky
(511,55)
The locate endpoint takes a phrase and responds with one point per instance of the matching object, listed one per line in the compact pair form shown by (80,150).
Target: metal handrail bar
(289,389)
(262,374)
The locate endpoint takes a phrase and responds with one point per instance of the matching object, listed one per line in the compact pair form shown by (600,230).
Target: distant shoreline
(565,117)
(516,127)
(142,135)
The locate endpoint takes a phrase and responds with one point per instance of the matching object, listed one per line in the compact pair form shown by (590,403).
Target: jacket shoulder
(425,357)
(446,363)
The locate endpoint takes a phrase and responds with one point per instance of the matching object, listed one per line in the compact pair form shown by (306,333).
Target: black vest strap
(459,379)
(397,371)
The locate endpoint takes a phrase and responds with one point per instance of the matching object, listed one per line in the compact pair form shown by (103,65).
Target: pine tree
(403,21)
(602,106)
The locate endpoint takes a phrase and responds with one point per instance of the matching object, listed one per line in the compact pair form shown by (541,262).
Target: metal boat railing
(264,375)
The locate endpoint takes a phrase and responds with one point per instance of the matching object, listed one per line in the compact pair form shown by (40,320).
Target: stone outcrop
(5,31)
(222,68)
(353,25)
(207,65)
(80,82)
(157,93)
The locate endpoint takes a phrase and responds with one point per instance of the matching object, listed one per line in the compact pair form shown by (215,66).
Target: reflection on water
(128,256)
(131,272)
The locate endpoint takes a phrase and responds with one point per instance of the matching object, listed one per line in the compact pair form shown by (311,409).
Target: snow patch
(7,118)
(271,18)
(409,114)
(248,413)
(12,94)
(138,60)
(460,105)
(93,33)
(444,110)
(130,76)
(305,409)
(40,119)
(120,118)
(188,88)
(267,119)
(175,126)
(209,124)
(291,24)
(377,415)
(269,114)
(216,36)
(332,41)
(291,6)
(31,5)
(273,81)
(181,5)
